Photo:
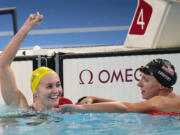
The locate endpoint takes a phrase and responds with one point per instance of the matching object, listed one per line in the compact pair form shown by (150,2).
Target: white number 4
(140,20)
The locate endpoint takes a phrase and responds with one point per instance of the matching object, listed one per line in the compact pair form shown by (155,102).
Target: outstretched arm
(115,107)
(12,96)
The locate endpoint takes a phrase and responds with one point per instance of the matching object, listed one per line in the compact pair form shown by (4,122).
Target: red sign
(141,19)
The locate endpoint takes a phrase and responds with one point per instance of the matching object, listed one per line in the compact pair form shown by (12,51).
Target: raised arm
(11,95)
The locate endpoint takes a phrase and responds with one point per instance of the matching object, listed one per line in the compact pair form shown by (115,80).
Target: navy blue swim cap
(162,70)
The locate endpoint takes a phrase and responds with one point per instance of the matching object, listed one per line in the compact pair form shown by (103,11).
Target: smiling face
(48,92)
(149,86)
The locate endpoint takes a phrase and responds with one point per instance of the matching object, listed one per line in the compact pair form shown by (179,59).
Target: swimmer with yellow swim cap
(45,83)
(46,88)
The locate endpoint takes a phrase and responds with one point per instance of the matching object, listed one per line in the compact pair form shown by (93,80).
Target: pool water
(24,122)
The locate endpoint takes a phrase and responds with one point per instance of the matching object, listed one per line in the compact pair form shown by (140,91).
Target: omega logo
(90,79)
(104,76)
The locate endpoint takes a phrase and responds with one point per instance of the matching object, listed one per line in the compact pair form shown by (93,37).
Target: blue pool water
(23,122)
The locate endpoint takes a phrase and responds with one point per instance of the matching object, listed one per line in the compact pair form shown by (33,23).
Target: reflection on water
(25,122)
(14,116)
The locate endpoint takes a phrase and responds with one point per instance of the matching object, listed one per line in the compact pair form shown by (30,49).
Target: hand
(70,108)
(34,20)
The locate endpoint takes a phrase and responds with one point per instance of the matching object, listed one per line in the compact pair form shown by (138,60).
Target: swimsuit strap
(163,113)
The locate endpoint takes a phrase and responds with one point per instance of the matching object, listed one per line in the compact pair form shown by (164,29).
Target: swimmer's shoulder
(171,96)
(169,102)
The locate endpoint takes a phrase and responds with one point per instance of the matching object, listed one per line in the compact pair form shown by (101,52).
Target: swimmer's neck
(166,92)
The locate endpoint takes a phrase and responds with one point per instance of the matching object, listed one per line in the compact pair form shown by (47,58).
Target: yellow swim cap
(37,75)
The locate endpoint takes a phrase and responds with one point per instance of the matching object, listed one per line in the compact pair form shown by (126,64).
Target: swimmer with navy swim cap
(156,86)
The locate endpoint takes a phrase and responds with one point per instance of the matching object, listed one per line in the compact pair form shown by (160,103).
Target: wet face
(48,91)
(149,86)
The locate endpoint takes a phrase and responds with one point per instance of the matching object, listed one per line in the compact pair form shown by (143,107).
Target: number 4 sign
(141,18)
